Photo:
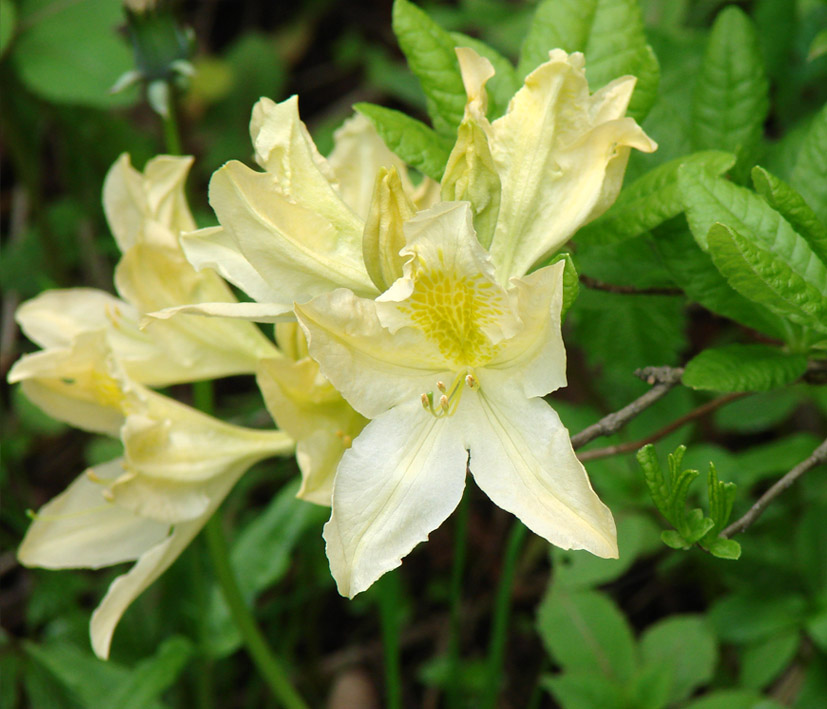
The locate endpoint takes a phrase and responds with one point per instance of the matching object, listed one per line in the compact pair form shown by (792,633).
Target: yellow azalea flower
(146,213)
(451,367)
(295,230)
(552,163)
(304,404)
(178,466)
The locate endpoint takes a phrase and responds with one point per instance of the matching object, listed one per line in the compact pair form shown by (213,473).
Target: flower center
(454,311)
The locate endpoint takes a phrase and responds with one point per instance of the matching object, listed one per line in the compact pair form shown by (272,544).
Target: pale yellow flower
(551,164)
(451,368)
(294,230)
(178,466)
(146,213)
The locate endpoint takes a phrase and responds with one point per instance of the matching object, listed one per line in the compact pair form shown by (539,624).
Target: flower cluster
(415,335)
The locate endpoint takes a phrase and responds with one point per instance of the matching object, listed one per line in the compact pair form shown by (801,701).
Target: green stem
(457,572)
(389,596)
(266,662)
(203,397)
(172,136)
(502,610)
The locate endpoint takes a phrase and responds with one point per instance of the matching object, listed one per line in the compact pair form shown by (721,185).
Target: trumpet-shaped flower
(146,213)
(178,466)
(451,367)
(295,230)
(552,163)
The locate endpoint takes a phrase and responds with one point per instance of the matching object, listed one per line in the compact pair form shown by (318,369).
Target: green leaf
(809,174)
(743,368)
(500,87)
(585,690)
(748,617)
(277,529)
(70,52)
(85,677)
(585,632)
(685,647)
(797,291)
(694,272)
(152,677)
(817,628)
(777,265)
(8,21)
(730,102)
(610,34)
(764,660)
(792,206)
(722,548)
(810,543)
(650,200)
(758,412)
(571,281)
(721,498)
(430,53)
(417,144)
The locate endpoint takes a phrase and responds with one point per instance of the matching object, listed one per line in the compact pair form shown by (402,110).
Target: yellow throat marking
(452,311)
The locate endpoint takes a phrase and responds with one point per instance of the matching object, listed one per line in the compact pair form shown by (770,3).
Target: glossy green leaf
(650,200)
(500,87)
(418,145)
(730,101)
(743,368)
(685,648)
(765,277)
(429,50)
(694,272)
(792,206)
(809,175)
(610,34)
(585,632)
(71,52)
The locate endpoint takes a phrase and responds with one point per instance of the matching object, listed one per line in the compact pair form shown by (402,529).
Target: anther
(471,382)
(427,401)
(441,386)
(108,495)
(443,403)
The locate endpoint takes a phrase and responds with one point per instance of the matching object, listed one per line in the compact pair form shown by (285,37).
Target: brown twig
(662,379)
(819,456)
(663,432)
(594,284)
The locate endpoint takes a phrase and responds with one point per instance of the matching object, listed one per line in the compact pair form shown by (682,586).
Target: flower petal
(254,312)
(127,587)
(79,528)
(522,458)
(294,247)
(215,248)
(149,206)
(401,478)
(54,318)
(533,361)
(552,148)
(80,385)
(307,407)
(357,156)
(372,368)
(173,454)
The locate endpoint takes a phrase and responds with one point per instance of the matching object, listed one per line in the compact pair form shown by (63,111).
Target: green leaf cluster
(670,496)
(602,665)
